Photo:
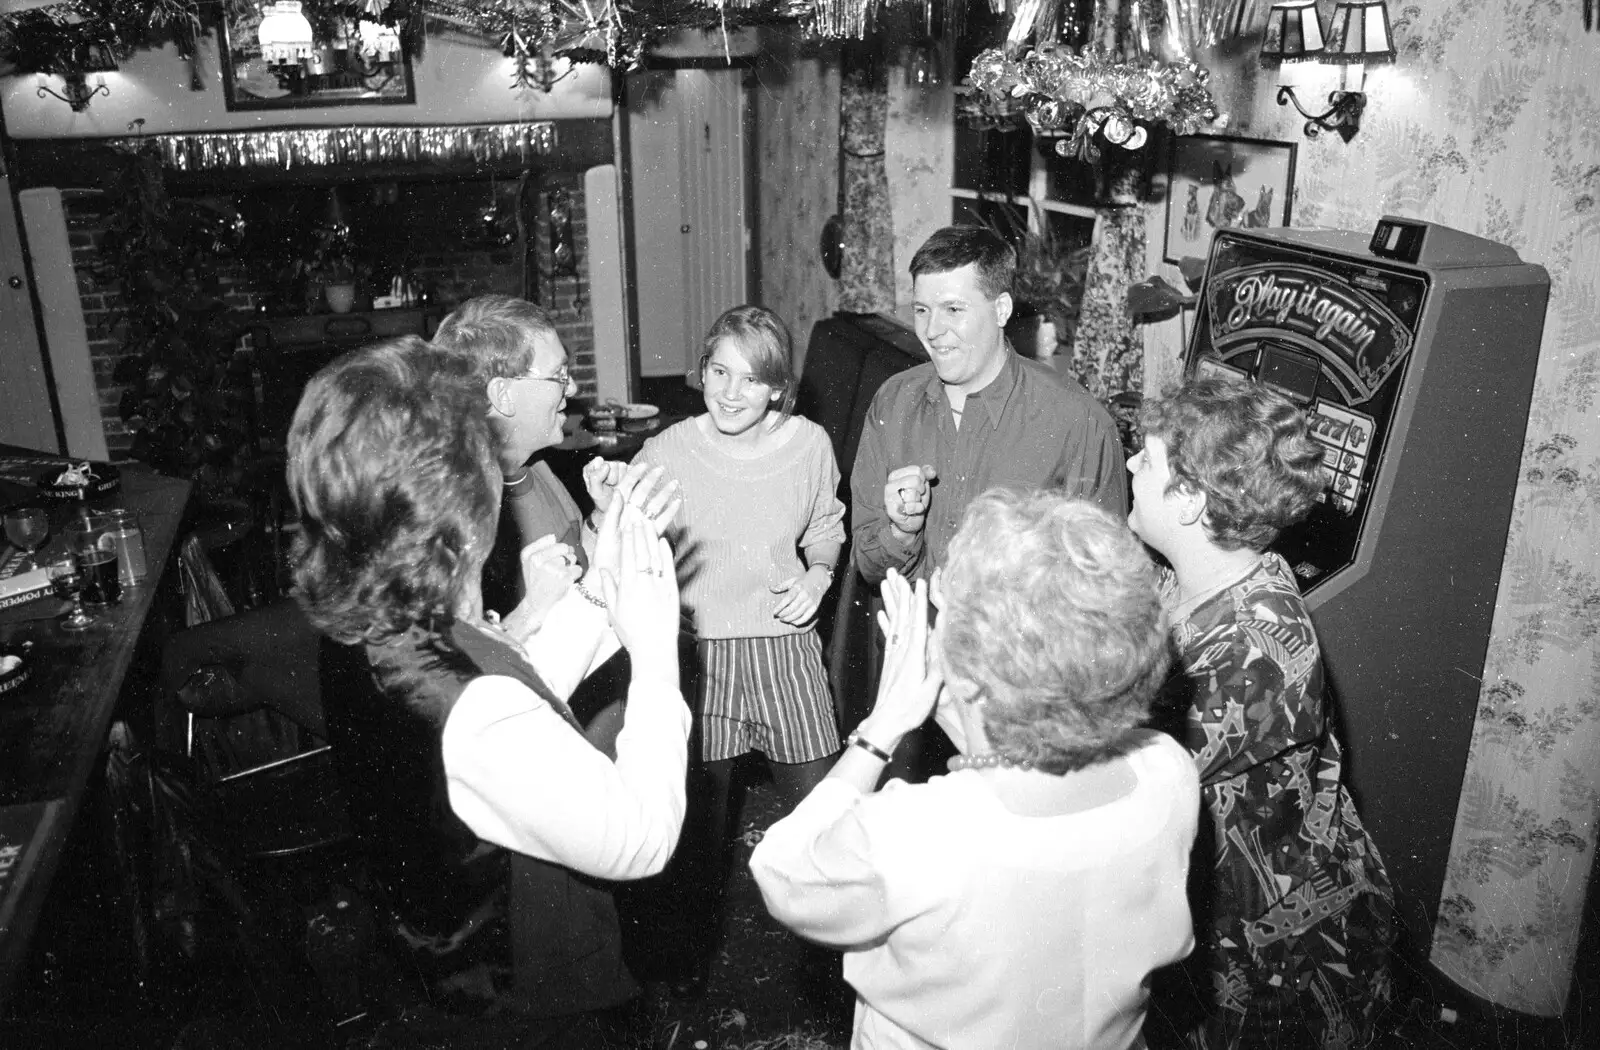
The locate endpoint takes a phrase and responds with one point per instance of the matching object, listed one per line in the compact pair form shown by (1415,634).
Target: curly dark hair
(1247,448)
(1049,607)
(393,472)
(953,247)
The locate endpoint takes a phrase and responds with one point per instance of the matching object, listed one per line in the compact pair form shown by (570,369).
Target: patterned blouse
(1289,853)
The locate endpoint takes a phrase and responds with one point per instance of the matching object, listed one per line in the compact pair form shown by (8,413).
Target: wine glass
(67,581)
(28,528)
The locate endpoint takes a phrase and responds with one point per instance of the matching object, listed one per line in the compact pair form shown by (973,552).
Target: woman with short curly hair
(1066,656)
(1023,900)
(1294,920)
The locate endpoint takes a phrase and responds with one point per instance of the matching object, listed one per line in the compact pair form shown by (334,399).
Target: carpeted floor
(250,987)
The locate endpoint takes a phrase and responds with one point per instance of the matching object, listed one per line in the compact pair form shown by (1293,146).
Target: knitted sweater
(744,522)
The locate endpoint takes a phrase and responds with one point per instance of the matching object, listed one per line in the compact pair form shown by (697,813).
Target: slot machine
(1414,349)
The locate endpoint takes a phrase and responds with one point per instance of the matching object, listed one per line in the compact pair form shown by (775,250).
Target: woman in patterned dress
(1294,922)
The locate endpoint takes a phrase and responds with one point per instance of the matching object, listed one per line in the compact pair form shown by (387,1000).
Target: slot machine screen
(1334,336)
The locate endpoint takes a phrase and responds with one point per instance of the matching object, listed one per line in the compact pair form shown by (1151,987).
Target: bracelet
(589,596)
(824,567)
(857,740)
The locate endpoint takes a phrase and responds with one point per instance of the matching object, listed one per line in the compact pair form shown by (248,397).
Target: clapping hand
(642,488)
(605,479)
(641,594)
(911,677)
(548,571)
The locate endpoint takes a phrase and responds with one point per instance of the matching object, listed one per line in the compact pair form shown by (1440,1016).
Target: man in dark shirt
(974,417)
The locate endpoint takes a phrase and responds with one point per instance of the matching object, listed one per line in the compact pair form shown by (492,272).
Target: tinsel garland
(1097,96)
(301,147)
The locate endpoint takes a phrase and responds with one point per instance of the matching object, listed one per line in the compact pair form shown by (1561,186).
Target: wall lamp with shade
(74,71)
(1360,36)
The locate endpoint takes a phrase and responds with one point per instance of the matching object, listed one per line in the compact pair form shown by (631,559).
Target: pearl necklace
(988,760)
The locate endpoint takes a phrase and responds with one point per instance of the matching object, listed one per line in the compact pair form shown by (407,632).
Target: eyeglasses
(562,378)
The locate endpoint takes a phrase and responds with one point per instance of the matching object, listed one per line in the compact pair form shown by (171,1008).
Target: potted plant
(1048,288)
(331,265)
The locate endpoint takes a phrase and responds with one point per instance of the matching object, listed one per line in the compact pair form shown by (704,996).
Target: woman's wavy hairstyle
(392,470)
(763,339)
(1049,607)
(1247,448)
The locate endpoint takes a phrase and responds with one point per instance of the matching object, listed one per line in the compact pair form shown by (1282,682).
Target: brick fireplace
(455,252)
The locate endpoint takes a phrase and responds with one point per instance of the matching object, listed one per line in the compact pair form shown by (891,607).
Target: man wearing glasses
(565,940)
(514,346)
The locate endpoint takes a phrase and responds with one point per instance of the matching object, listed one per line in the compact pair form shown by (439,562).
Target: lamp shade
(1294,33)
(1359,33)
(284,33)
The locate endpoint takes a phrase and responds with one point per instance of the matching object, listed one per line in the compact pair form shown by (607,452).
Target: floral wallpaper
(797,119)
(796,97)
(866,278)
(1490,122)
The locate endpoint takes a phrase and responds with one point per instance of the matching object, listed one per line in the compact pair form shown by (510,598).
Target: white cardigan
(966,925)
(522,777)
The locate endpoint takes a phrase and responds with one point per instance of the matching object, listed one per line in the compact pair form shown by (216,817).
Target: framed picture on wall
(1216,182)
(273,57)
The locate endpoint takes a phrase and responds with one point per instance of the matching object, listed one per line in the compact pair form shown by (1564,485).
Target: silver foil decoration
(307,147)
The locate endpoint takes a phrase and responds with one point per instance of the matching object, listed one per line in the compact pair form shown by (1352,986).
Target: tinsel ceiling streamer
(304,147)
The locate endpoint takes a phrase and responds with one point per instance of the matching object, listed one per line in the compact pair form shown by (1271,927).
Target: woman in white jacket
(392,469)
(1024,899)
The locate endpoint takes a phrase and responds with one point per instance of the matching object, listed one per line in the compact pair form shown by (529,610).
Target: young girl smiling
(757,539)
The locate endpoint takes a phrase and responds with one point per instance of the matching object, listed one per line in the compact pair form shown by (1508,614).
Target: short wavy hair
(953,247)
(1246,448)
(763,339)
(392,470)
(495,334)
(1049,607)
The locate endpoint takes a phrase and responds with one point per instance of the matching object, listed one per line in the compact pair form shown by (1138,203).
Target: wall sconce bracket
(78,91)
(1343,114)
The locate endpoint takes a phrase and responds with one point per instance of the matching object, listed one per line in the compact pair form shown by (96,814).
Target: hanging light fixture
(285,34)
(1360,36)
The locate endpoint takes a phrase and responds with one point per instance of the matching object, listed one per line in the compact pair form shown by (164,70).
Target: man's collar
(994,396)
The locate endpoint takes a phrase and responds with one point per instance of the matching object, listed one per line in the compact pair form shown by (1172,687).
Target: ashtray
(16,669)
(79,482)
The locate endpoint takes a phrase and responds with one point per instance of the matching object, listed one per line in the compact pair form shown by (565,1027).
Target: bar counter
(53,731)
